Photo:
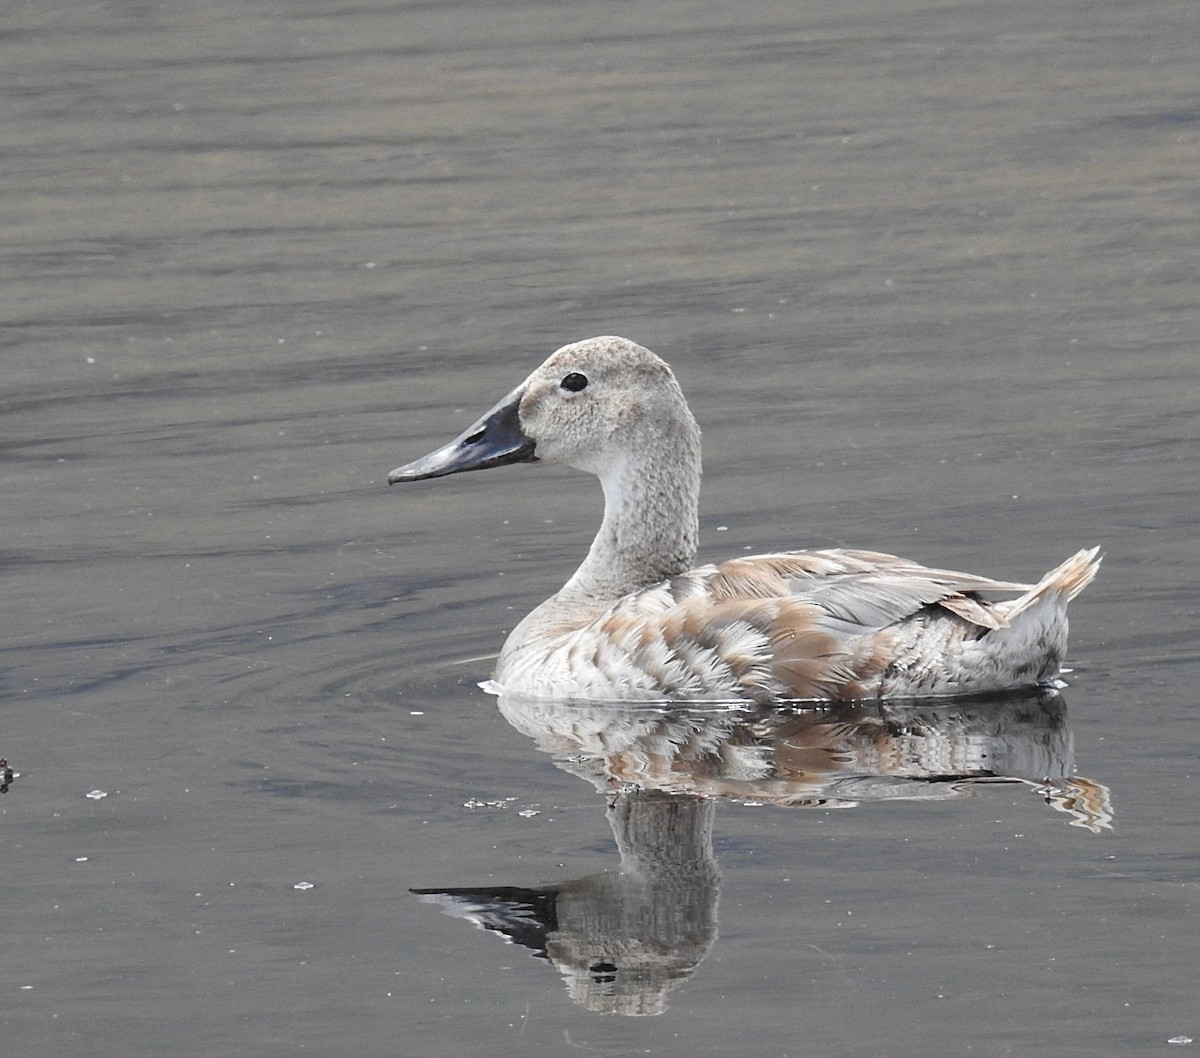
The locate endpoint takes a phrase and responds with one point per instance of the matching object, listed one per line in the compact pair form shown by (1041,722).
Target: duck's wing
(862,590)
(801,624)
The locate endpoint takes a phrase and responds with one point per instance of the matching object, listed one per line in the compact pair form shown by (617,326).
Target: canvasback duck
(637,622)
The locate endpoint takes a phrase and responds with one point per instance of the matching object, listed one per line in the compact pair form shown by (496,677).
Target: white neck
(650,528)
(649,532)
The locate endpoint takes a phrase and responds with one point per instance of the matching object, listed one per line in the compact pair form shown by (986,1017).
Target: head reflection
(621,939)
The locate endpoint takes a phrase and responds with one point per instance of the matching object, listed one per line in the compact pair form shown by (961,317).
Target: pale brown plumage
(635,622)
(839,624)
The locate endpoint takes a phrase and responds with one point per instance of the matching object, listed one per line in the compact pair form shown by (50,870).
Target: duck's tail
(1066,581)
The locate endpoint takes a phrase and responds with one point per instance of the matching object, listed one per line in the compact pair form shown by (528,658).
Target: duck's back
(834,624)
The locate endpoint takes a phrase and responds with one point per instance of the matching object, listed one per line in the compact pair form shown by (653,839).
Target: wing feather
(812,624)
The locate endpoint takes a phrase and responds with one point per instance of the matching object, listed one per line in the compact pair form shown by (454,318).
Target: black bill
(496,439)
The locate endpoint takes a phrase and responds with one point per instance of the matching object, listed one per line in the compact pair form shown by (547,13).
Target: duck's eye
(573,382)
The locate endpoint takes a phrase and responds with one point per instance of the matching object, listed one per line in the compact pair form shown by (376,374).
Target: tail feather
(1067,580)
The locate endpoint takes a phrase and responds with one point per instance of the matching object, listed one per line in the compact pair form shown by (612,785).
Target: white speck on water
(529,813)
(81,859)
(303,885)
(475,803)
(95,795)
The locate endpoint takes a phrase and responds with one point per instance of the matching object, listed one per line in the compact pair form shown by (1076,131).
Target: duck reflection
(620,939)
(832,757)
(623,939)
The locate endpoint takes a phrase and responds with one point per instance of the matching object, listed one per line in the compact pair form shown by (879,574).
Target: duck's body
(838,625)
(636,621)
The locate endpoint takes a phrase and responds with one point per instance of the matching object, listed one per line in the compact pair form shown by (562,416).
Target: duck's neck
(649,533)
(651,523)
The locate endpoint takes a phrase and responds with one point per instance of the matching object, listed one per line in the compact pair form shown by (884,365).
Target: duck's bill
(493,441)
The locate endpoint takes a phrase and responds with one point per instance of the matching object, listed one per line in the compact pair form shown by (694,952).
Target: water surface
(927,274)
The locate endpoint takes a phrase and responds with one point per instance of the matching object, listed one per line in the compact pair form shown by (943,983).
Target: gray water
(929,277)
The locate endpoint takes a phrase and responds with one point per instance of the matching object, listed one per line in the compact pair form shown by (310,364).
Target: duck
(639,622)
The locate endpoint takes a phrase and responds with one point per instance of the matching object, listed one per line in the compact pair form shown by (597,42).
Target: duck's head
(589,405)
